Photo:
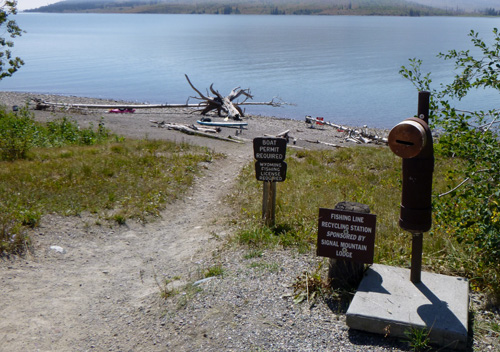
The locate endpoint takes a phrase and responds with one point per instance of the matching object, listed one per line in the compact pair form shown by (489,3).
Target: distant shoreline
(35,11)
(221,7)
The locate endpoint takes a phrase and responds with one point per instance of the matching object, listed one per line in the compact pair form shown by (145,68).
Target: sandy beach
(138,125)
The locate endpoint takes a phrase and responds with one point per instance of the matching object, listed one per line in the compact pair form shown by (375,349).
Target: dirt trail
(99,293)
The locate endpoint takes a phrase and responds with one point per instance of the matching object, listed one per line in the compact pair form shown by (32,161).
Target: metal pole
(416,257)
(423,105)
(417,237)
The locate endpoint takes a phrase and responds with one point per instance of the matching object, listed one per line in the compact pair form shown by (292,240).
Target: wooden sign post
(270,168)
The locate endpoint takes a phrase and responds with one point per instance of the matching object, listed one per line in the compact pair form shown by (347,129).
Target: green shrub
(13,236)
(469,210)
(18,134)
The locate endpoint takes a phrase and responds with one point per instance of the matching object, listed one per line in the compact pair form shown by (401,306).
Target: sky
(32,4)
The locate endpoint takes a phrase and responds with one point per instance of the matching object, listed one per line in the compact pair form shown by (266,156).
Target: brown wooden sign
(269,149)
(270,171)
(346,235)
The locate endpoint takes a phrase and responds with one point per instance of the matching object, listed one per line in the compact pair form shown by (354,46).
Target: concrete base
(388,303)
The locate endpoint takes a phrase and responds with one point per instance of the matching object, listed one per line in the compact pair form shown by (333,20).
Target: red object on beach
(319,121)
(121,111)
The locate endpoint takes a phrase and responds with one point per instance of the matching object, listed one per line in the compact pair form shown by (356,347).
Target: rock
(58,249)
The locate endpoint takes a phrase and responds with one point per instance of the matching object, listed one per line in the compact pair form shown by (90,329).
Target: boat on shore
(234,124)
(121,111)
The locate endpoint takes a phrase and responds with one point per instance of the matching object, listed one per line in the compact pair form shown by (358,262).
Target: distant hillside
(465,5)
(273,7)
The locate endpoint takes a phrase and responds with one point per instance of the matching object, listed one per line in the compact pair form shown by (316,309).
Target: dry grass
(114,180)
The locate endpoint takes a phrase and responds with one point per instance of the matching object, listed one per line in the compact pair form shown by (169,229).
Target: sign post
(269,203)
(346,235)
(270,168)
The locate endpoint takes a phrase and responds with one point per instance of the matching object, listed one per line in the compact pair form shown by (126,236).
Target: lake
(344,69)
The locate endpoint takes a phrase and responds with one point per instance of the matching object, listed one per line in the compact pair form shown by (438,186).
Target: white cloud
(33,4)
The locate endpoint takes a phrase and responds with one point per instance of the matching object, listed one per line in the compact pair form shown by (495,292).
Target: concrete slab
(388,303)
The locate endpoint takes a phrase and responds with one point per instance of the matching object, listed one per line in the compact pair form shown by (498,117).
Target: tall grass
(322,179)
(366,175)
(63,169)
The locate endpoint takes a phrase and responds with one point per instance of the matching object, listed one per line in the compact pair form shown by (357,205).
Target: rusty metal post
(423,105)
(412,141)
(418,238)
(416,257)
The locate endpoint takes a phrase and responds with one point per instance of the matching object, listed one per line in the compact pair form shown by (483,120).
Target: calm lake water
(342,68)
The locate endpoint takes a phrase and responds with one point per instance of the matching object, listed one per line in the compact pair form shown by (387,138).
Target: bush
(19,133)
(67,132)
(470,209)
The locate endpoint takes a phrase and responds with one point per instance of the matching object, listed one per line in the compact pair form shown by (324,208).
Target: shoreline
(139,125)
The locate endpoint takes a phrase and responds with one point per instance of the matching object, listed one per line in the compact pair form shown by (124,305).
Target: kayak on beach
(223,123)
(121,111)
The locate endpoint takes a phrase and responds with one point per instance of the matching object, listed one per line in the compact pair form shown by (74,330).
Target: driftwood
(284,134)
(239,139)
(228,104)
(43,105)
(220,103)
(353,135)
(193,130)
(207,103)
(324,143)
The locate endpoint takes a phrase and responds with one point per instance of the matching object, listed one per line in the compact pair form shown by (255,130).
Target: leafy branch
(8,63)
(470,138)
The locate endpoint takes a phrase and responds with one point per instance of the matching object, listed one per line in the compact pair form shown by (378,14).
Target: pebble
(57,249)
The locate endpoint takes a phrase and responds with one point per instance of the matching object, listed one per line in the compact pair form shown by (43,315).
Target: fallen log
(324,143)
(354,135)
(284,134)
(42,105)
(240,139)
(192,130)
(227,104)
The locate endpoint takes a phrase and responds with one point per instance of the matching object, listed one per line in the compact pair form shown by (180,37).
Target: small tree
(8,63)
(470,210)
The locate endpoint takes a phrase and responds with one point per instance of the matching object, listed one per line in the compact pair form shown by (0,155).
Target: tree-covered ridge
(273,7)
(466,5)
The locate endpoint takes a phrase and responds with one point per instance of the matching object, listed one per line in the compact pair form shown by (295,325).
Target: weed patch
(311,286)
(418,339)
(215,270)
